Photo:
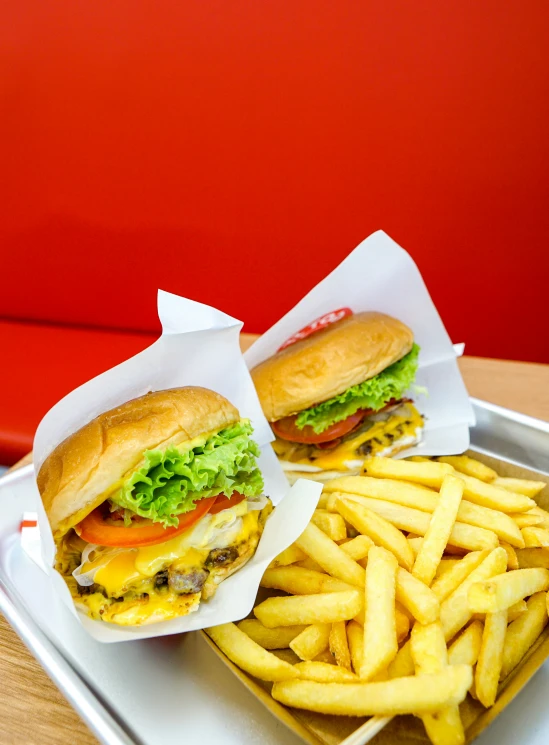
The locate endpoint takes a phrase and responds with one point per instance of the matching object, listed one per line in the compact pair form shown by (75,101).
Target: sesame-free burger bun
(329,361)
(81,472)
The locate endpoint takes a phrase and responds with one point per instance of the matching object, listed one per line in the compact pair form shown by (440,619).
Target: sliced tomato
(95,528)
(223,502)
(287,429)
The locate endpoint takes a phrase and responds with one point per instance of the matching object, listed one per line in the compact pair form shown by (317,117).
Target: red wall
(235,151)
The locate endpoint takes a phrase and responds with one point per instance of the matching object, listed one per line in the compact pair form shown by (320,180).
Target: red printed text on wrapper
(317,325)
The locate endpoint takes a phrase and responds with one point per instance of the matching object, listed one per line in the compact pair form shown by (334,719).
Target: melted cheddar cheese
(118,571)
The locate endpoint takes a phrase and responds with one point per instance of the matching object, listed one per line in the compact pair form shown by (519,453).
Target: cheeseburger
(153,504)
(337,395)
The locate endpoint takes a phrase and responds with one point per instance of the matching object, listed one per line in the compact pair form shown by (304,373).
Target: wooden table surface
(33,712)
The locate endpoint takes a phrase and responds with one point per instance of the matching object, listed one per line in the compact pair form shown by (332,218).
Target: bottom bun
(143,611)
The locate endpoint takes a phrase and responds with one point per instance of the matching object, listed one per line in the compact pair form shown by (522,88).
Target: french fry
(338,645)
(390,490)
(415,543)
(469,537)
(330,523)
(310,564)
(490,657)
(416,597)
(535,537)
(543,514)
(533,557)
(289,556)
(455,551)
(403,664)
(499,593)
(380,638)
(465,649)
(512,560)
(430,656)
(411,695)
(401,619)
(355,641)
(381,675)
(495,497)
(521,486)
(444,585)
(421,498)
(357,548)
(439,530)
(469,466)
(312,641)
(402,624)
(322,501)
(445,566)
(381,532)
(484,517)
(526,519)
(428,648)
(277,638)
(327,607)
(323,672)
(331,558)
(325,656)
(418,459)
(378,677)
(515,610)
(523,632)
(428,474)
(455,611)
(248,655)
(300,581)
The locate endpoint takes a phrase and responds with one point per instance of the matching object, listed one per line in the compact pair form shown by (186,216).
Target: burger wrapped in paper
(153,504)
(337,395)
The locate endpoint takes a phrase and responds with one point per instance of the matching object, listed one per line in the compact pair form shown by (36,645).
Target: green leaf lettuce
(171,481)
(371,394)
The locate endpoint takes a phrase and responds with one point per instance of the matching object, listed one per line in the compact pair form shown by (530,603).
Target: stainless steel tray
(176,680)
(510,436)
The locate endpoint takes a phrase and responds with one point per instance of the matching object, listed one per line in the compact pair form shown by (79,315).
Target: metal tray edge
(108,728)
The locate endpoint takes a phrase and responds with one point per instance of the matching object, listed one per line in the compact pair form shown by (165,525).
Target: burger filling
(396,427)
(166,535)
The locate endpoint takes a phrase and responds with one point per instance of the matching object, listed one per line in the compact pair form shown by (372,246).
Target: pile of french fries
(414,584)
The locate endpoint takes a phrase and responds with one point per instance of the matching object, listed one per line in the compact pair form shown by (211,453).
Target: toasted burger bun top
(328,362)
(81,472)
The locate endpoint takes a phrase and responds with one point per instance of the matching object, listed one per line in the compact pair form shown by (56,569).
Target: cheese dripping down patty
(117,569)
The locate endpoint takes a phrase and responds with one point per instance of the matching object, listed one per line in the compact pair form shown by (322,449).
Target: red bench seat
(41,364)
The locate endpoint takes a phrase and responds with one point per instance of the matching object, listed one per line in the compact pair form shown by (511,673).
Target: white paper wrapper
(379,275)
(199,346)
